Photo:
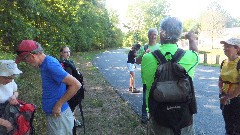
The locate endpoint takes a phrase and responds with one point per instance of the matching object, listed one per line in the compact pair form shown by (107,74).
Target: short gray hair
(152,30)
(39,49)
(172,27)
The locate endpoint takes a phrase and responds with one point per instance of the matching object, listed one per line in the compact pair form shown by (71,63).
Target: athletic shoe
(77,123)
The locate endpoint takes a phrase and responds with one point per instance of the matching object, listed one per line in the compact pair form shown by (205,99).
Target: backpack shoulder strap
(221,65)
(238,65)
(145,47)
(159,56)
(178,55)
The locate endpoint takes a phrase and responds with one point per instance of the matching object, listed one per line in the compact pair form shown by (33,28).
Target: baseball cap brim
(21,56)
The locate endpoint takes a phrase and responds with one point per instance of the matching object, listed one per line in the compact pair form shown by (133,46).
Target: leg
(61,125)
(144,112)
(231,115)
(131,79)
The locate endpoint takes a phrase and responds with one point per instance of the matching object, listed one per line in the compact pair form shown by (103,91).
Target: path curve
(208,120)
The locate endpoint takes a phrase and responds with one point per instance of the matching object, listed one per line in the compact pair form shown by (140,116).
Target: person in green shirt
(151,46)
(170,31)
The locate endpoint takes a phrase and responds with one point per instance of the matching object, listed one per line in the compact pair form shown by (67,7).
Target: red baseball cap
(24,48)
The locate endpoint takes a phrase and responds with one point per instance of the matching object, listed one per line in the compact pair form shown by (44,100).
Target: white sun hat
(9,68)
(232,41)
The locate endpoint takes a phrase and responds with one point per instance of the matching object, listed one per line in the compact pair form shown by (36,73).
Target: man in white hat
(8,90)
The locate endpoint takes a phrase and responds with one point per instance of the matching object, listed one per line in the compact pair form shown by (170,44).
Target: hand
(12,100)
(190,35)
(147,51)
(56,110)
(224,100)
(8,126)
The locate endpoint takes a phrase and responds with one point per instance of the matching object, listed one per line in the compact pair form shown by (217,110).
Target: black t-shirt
(131,57)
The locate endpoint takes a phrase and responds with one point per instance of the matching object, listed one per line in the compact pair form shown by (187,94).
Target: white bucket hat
(9,68)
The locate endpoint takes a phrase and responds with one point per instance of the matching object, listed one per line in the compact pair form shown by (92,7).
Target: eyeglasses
(25,57)
(19,52)
(66,51)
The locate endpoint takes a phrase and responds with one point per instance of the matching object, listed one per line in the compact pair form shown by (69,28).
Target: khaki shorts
(61,125)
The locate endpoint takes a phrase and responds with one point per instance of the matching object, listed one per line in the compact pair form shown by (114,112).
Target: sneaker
(130,89)
(135,90)
(77,123)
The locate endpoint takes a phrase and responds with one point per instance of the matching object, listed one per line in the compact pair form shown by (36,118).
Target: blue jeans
(144,112)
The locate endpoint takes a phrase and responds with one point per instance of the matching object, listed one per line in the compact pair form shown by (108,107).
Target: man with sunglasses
(55,94)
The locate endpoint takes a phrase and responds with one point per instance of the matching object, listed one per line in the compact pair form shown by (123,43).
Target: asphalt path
(208,120)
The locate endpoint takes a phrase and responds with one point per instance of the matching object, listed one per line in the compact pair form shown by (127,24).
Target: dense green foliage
(81,24)
(144,15)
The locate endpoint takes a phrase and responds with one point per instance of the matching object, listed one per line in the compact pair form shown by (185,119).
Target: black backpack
(71,69)
(79,96)
(172,100)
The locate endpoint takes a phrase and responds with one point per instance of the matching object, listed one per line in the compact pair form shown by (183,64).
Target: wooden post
(217,59)
(205,58)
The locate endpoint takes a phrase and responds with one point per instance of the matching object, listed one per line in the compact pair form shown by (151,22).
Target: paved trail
(208,120)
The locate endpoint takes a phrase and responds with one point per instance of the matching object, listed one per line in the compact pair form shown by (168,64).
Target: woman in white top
(8,89)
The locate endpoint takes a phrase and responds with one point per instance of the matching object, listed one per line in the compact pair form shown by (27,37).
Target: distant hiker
(131,67)
(229,86)
(151,46)
(58,87)
(170,31)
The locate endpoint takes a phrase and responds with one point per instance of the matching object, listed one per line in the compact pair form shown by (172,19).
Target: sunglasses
(19,52)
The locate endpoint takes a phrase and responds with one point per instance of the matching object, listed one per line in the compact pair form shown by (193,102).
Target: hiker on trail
(229,87)
(55,93)
(151,46)
(170,31)
(131,67)
(8,91)
(70,67)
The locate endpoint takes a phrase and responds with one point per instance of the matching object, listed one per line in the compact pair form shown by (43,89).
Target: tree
(144,14)
(80,24)
(212,21)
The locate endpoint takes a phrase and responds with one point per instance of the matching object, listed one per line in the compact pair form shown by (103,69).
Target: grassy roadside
(105,112)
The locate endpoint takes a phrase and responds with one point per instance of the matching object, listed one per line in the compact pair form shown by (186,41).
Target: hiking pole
(80,107)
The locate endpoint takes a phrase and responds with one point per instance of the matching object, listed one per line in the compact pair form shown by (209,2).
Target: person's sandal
(135,90)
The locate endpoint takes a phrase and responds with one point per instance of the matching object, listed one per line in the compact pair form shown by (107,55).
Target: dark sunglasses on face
(19,52)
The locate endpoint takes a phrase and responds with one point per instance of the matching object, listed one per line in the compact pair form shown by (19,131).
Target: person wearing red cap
(55,92)
(229,86)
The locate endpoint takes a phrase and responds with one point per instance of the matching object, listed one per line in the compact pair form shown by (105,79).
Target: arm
(6,124)
(191,37)
(140,54)
(73,86)
(220,84)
